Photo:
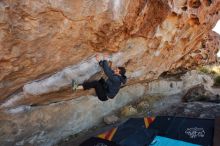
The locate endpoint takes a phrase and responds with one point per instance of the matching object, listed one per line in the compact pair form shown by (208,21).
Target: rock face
(169,86)
(39,38)
(46,43)
(45,125)
(199,93)
(194,109)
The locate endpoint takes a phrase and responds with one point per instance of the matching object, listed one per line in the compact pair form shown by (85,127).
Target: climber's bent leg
(99,89)
(89,85)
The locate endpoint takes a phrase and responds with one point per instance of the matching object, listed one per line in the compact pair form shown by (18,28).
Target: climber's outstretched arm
(108,71)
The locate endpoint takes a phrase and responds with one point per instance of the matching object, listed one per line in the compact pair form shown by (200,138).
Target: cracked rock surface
(42,37)
(44,44)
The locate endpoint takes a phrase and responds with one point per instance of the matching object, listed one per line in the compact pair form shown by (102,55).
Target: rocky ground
(191,104)
(194,109)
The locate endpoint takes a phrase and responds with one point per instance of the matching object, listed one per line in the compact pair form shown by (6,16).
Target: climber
(105,89)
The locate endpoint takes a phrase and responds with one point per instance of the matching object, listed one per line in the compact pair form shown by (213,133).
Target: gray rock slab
(46,125)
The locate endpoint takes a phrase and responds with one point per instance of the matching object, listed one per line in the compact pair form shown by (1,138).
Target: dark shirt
(113,82)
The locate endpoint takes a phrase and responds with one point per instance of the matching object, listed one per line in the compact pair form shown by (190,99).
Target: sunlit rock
(44,44)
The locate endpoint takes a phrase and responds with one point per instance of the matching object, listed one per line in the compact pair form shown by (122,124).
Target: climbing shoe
(74,85)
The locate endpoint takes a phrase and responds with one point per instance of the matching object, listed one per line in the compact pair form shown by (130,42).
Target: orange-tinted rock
(46,43)
(39,38)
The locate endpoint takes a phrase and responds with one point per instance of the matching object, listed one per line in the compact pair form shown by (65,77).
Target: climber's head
(120,71)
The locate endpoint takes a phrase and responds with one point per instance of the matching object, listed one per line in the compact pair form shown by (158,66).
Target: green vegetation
(203,69)
(213,71)
(217,81)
